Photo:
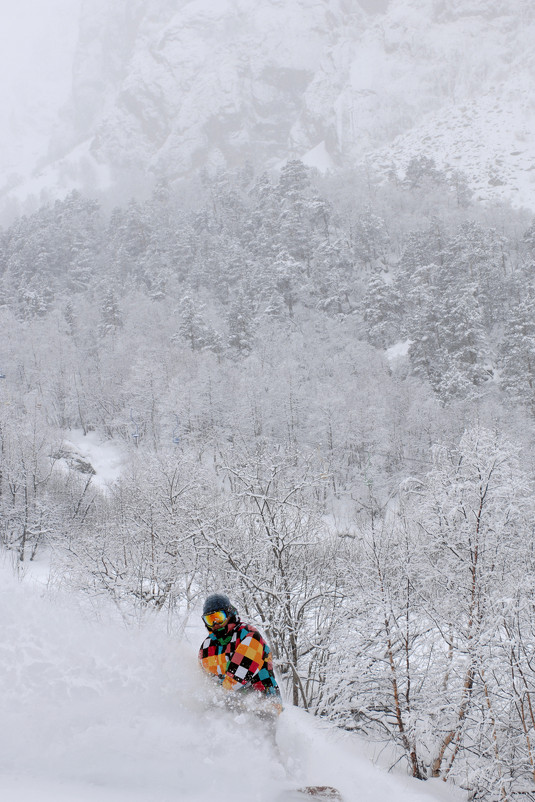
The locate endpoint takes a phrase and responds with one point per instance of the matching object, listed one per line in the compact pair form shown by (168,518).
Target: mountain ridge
(214,84)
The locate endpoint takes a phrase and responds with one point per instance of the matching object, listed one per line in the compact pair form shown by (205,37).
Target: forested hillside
(322,392)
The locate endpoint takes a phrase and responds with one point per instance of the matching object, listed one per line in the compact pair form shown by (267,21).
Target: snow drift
(91,711)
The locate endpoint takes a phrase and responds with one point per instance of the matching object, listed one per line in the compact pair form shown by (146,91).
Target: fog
(374,6)
(37,46)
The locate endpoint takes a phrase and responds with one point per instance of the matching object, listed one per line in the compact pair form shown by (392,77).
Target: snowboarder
(237,654)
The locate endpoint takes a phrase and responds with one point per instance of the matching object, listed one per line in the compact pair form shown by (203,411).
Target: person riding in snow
(237,654)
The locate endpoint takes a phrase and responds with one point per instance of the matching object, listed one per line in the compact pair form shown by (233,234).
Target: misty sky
(37,39)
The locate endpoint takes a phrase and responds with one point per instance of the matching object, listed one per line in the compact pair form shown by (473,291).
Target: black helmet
(218,601)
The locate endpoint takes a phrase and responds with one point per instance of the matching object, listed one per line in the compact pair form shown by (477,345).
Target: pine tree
(477,257)
(517,353)
(129,233)
(421,170)
(466,344)
(261,233)
(194,329)
(381,311)
(370,239)
(303,215)
(529,239)
(110,315)
(240,324)
(288,280)
(334,284)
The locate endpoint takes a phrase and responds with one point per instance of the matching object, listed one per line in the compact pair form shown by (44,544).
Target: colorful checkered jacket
(240,657)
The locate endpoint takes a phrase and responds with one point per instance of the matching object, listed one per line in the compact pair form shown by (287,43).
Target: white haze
(37,44)
(170,86)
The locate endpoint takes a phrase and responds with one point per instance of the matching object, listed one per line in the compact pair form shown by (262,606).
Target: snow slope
(490,139)
(104,457)
(94,712)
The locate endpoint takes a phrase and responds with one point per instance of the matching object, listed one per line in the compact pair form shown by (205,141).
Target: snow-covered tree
(268,547)
(517,352)
(193,327)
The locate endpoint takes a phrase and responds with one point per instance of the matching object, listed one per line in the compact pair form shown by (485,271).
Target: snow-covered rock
(171,86)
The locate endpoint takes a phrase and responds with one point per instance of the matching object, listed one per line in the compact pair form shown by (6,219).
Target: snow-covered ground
(105,456)
(398,350)
(93,712)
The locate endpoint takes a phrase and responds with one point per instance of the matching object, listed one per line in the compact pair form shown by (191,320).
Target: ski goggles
(218,618)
